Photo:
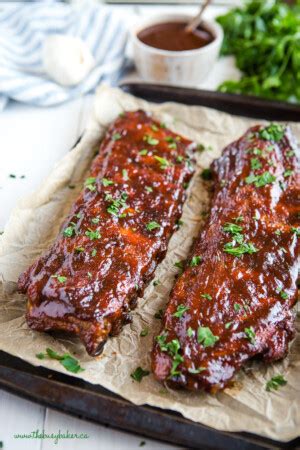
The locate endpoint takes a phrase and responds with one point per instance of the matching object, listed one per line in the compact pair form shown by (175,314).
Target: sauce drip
(172,36)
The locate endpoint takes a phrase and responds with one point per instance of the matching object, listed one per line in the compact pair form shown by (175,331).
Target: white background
(32,140)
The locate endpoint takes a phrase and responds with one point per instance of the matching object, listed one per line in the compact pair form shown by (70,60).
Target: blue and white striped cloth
(23,28)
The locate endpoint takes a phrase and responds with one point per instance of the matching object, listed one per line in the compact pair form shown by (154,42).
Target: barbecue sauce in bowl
(172,36)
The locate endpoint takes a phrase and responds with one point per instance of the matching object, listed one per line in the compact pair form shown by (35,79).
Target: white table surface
(32,140)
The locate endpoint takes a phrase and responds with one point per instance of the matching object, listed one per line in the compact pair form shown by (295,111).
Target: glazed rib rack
(235,297)
(115,235)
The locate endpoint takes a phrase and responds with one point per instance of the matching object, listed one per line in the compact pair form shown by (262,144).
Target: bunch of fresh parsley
(264,37)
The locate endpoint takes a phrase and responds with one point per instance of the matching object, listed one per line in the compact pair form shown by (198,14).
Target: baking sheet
(35,223)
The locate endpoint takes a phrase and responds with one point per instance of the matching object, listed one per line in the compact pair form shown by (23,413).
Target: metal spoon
(195,22)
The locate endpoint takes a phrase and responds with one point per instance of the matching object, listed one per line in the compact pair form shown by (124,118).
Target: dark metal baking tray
(94,403)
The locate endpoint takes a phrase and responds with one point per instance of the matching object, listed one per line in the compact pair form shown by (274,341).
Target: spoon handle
(195,22)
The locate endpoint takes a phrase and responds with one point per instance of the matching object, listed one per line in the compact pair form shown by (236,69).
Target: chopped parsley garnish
(275,382)
(94,252)
(278,232)
(190,332)
(79,249)
(156,282)
(159,314)
(228,325)
(172,142)
(195,261)
(148,189)
(150,140)
(288,173)
(236,307)
(206,337)
(260,180)
(139,374)
(95,220)
(143,152)
(283,295)
(250,334)
(60,278)
(207,296)
(179,223)
(163,162)
(255,163)
(106,182)
(181,309)
(238,238)
(93,234)
(144,332)
(66,360)
(70,230)
(89,275)
(125,175)
(90,183)
(290,153)
(296,231)
(179,264)
(152,225)
(172,348)
(272,132)
(240,249)
(206,174)
(154,127)
(116,136)
(179,158)
(256,151)
(116,204)
(232,228)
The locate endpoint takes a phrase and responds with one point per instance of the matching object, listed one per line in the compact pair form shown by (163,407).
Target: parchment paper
(35,223)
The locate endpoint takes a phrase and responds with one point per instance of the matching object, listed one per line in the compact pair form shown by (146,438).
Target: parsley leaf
(275,382)
(207,296)
(116,136)
(206,337)
(250,334)
(90,183)
(255,163)
(240,249)
(272,132)
(60,278)
(163,162)
(150,140)
(152,225)
(66,360)
(232,228)
(106,182)
(93,234)
(260,180)
(125,175)
(139,374)
(195,261)
(181,309)
(144,332)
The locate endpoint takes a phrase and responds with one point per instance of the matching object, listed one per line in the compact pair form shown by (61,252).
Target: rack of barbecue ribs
(115,235)
(235,297)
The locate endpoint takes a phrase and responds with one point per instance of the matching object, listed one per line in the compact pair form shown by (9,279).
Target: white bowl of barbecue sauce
(165,53)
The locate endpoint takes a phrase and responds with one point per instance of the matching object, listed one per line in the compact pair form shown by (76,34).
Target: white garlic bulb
(67,59)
